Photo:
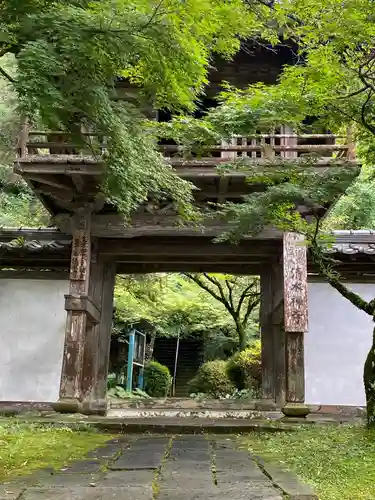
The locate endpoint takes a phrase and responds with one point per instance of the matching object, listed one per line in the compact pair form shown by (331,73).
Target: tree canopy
(172,304)
(70,53)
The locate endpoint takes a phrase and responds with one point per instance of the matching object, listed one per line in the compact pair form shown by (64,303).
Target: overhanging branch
(7,75)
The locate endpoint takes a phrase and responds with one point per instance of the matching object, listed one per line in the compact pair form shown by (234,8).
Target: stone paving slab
(288,482)
(84,467)
(107,451)
(130,493)
(160,468)
(149,459)
(66,480)
(10,492)
(126,477)
(143,454)
(215,494)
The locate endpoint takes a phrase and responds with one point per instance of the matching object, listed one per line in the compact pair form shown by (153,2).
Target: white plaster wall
(336,346)
(32,324)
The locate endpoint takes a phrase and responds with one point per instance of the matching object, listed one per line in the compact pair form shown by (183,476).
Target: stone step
(137,413)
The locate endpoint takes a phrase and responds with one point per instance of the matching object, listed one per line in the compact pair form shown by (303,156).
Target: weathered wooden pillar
(90,293)
(283,320)
(295,322)
(99,337)
(272,334)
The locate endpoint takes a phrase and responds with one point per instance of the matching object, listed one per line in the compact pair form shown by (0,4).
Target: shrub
(244,368)
(157,379)
(212,379)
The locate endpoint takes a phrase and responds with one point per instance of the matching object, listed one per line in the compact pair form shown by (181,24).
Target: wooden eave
(62,182)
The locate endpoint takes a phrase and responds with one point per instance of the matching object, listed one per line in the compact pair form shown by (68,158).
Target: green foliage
(355,210)
(171,304)
(287,187)
(18,205)
(244,368)
(212,379)
(118,392)
(70,52)
(158,380)
(220,345)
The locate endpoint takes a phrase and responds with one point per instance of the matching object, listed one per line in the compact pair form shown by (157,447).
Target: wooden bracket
(83,303)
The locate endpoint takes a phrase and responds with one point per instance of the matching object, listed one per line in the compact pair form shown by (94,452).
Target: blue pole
(141,378)
(129,378)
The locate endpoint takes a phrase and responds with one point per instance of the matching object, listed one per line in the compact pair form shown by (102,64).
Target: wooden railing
(255,147)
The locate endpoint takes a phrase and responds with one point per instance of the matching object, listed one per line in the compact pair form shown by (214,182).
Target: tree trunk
(241,331)
(150,348)
(369,381)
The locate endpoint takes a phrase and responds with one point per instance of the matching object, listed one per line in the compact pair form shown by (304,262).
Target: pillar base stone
(68,405)
(87,407)
(95,407)
(296,410)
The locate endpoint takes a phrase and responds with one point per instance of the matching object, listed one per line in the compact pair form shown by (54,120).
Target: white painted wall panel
(32,330)
(336,346)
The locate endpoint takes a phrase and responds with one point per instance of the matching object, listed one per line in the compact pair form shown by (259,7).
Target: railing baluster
(253,154)
(23,139)
(350,154)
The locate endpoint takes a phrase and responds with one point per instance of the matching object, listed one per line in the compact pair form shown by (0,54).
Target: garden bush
(244,368)
(212,379)
(157,379)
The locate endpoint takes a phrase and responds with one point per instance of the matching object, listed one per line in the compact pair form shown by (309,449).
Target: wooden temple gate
(66,179)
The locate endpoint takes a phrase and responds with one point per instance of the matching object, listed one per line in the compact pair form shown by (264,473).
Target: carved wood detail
(295,283)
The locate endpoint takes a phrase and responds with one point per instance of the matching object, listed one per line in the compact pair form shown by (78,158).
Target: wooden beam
(186,259)
(113,226)
(185,246)
(90,169)
(173,267)
(49,181)
(57,194)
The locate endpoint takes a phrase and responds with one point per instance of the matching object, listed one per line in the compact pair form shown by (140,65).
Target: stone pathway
(156,468)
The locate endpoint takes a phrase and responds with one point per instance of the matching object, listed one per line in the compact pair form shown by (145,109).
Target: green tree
(332,80)
(173,305)
(70,52)
(18,205)
(240,295)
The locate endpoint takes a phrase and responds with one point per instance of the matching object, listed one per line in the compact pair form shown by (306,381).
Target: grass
(338,461)
(25,448)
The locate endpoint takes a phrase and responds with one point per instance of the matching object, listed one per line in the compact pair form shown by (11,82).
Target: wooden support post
(295,322)
(283,320)
(76,324)
(272,335)
(104,333)
(85,360)
(98,337)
